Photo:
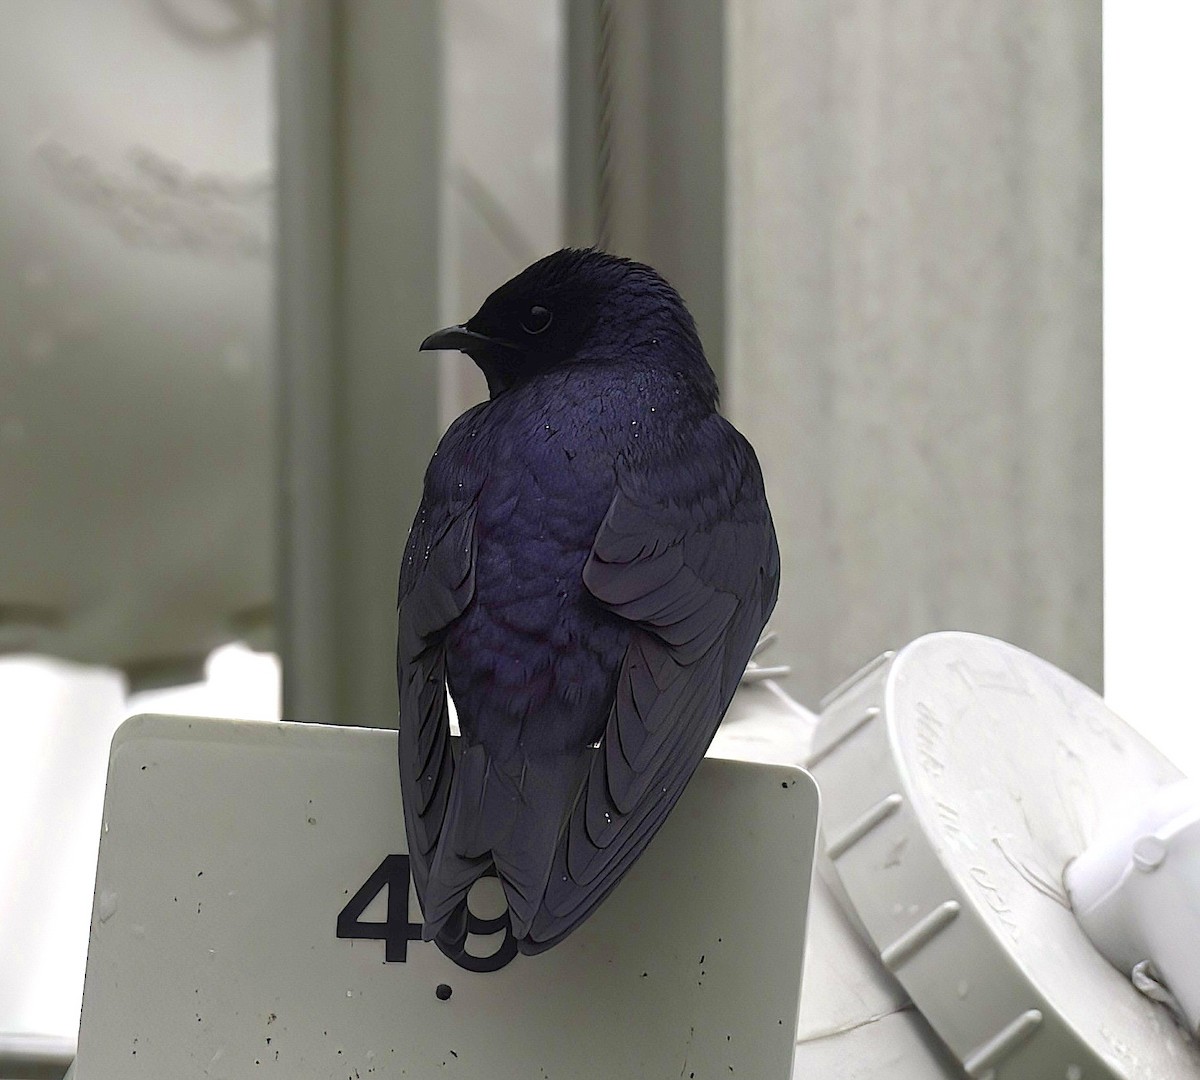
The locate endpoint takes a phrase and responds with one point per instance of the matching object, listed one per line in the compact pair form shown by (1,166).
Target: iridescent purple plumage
(592,562)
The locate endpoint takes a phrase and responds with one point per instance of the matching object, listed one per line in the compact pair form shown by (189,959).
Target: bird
(587,575)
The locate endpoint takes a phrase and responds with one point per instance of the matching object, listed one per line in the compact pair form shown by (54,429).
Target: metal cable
(605,58)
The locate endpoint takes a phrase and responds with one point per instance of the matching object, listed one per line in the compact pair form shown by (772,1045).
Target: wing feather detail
(698,574)
(437,582)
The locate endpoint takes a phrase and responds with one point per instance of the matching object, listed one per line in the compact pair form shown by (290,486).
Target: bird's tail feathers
(507,816)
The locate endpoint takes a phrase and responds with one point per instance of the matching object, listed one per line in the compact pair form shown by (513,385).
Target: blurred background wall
(136,271)
(137,173)
(226,225)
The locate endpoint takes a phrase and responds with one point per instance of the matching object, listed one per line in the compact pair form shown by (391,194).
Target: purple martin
(589,570)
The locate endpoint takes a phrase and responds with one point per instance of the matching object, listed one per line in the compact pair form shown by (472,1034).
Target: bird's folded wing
(437,582)
(697,571)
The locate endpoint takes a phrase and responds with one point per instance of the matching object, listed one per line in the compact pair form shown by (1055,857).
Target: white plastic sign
(253,919)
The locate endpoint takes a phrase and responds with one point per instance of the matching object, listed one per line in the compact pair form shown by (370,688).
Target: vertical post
(581,121)
(359,166)
(307,311)
(915,319)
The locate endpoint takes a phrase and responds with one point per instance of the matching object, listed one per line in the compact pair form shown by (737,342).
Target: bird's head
(576,306)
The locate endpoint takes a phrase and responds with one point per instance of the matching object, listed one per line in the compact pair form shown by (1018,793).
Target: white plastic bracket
(1136,893)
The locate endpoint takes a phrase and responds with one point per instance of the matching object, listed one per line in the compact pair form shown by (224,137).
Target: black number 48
(396,932)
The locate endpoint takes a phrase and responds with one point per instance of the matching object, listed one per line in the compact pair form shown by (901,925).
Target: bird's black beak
(462,339)
(493,356)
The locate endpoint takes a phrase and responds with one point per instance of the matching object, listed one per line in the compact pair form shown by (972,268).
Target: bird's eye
(537,320)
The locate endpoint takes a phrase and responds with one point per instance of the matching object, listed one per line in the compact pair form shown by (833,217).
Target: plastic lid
(959,778)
